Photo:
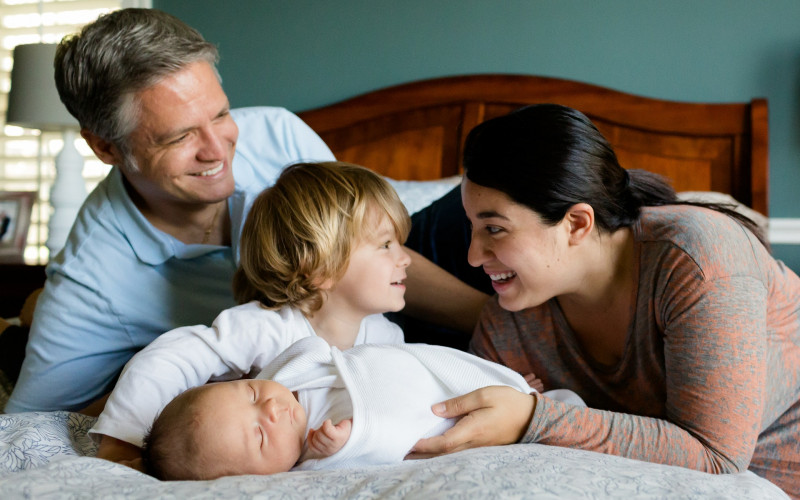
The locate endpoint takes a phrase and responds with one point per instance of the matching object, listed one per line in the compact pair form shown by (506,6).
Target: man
(155,245)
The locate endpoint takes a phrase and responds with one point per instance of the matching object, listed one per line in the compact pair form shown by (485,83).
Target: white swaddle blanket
(388,389)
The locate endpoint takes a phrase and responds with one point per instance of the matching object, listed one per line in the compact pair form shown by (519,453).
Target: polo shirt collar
(151,245)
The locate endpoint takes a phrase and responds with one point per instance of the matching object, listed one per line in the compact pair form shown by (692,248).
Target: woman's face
(524,257)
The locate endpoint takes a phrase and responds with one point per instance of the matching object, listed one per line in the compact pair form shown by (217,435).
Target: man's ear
(580,218)
(104,150)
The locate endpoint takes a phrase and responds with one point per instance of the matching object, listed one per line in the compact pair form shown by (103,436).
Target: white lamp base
(66,194)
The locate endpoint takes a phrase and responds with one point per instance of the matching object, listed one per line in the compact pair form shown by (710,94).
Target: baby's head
(248,426)
(300,232)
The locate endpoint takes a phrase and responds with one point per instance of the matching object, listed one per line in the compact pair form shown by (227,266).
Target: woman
(671,320)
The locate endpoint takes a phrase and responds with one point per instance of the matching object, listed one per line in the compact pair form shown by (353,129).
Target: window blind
(27,155)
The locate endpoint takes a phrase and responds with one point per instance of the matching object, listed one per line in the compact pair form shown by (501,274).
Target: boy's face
(250,426)
(373,281)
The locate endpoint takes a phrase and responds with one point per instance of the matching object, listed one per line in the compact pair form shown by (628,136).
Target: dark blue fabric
(441,233)
(12,350)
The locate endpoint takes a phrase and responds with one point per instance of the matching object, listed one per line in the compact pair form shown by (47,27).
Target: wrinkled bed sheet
(50,455)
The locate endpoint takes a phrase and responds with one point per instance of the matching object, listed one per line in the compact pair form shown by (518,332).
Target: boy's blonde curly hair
(300,232)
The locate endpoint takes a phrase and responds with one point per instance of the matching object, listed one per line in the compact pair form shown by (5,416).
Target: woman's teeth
(502,276)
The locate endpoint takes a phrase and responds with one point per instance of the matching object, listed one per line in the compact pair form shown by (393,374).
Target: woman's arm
(715,361)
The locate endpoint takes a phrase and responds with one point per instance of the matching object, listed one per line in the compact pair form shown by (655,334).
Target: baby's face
(251,426)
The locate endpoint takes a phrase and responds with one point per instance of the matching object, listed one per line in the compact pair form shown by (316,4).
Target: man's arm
(75,350)
(437,296)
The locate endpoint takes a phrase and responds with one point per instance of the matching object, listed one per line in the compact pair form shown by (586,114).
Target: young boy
(321,256)
(380,395)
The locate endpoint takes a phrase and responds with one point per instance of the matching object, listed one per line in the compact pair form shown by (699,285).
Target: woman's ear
(580,218)
(104,150)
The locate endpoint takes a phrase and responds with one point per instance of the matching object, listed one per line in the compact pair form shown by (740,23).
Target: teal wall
(305,53)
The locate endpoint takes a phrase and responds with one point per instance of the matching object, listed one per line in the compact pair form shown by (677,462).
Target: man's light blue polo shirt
(120,282)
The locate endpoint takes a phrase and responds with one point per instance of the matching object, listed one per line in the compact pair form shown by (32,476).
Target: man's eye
(178,140)
(255,396)
(493,229)
(386,244)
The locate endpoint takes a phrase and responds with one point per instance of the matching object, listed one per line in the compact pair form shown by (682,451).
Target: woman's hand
(491,416)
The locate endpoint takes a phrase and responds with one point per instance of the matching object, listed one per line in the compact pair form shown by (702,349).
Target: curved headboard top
(416,130)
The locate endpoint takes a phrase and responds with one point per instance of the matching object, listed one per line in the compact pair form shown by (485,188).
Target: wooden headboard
(416,130)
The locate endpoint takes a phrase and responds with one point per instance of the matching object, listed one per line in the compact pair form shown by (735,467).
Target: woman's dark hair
(549,157)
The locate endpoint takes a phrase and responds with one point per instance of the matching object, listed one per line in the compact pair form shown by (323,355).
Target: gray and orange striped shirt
(710,376)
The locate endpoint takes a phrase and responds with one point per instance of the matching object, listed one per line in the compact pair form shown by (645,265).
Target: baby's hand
(534,382)
(328,439)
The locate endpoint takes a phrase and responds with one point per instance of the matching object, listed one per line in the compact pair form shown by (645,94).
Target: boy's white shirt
(240,342)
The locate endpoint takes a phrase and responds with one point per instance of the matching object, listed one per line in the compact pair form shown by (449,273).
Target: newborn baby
(379,396)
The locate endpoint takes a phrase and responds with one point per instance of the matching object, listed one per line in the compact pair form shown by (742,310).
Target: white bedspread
(49,455)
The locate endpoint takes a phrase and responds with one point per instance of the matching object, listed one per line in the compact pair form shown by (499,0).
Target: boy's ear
(104,150)
(580,220)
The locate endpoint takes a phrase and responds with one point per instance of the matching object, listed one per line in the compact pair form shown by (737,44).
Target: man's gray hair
(99,70)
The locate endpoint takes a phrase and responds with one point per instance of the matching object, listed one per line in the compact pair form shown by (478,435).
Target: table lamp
(33,102)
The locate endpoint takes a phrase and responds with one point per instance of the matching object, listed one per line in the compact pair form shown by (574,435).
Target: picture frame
(15,219)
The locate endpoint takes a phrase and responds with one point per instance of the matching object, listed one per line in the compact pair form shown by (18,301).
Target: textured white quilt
(49,455)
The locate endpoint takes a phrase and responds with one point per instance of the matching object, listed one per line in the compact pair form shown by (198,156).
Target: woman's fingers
(461,405)
(494,415)
(457,438)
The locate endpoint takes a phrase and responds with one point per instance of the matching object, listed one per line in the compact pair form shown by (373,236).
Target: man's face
(184,141)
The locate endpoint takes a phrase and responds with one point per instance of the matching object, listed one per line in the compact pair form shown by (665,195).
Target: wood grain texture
(417,130)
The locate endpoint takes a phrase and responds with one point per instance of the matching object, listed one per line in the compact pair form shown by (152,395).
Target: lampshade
(33,99)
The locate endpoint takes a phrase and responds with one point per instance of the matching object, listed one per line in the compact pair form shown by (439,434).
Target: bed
(413,133)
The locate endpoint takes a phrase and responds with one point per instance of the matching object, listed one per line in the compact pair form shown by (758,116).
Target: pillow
(417,195)
(725,199)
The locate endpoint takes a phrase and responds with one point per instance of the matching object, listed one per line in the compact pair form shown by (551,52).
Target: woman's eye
(493,229)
